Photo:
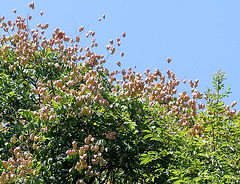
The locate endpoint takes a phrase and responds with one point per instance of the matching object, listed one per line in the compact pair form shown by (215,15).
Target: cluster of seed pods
(20,165)
(90,157)
(111,135)
(86,73)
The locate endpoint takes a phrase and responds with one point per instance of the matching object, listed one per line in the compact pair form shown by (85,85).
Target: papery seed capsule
(118,63)
(1,52)
(81,28)
(11,67)
(74,144)
(13,140)
(21,137)
(22,173)
(96,147)
(86,140)
(34,146)
(169,60)
(233,103)
(5,164)
(31,5)
(35,172)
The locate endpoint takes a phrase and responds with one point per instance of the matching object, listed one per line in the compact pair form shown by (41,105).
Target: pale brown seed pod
(31,5)
(169,60)
(81,28)
(118,63)
(233,104)
(77,38)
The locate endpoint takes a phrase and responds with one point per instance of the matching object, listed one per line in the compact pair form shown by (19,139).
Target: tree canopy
(65,118)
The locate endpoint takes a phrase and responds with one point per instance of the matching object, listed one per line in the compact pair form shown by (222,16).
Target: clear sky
(201,36)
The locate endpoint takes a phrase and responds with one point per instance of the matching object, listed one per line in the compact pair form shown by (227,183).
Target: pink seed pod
(108,47)
(77,38)
(74,144)
(21,137)
(5,164)
(81,28)
(123,34)
(35,172)
(86,147)
(11,67)
(169,60)
(13,140)
(233,104)
(31,5)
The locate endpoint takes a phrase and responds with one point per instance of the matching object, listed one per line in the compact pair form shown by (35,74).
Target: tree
(207,150)
(67,119)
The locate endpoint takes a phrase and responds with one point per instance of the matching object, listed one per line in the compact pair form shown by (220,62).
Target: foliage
(209,151)
(67,119)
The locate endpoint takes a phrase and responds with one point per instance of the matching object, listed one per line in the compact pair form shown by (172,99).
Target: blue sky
(201,36)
